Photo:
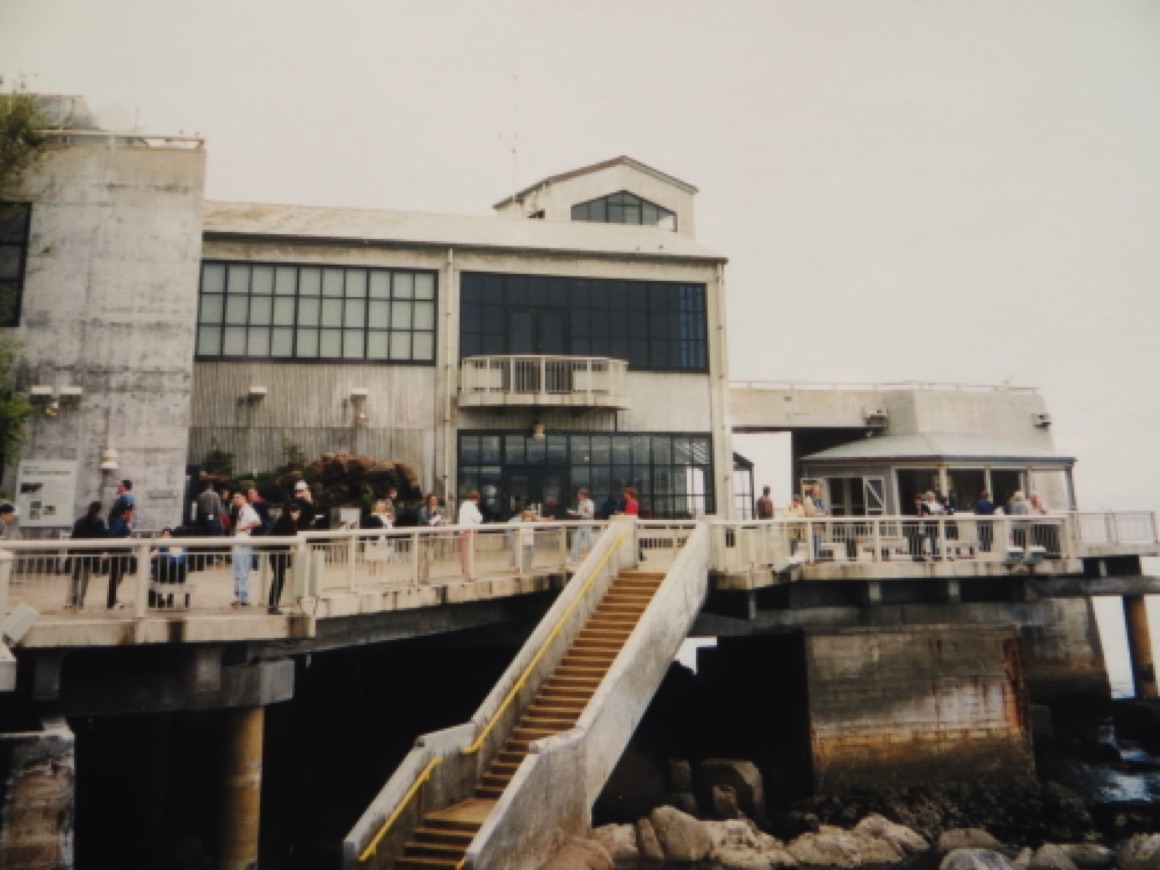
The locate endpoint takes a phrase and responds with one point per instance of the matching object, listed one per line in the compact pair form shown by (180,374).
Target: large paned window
(654,325)
(325,313)
(15,219)
(673,474)
(624,208)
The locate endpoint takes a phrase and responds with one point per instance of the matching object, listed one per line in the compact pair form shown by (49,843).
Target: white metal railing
(879,387)
(780,543)
(1124,527)
(107,137)
(593,377)
(198,573)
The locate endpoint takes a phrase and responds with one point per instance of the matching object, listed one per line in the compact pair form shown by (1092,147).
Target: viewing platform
(543,381)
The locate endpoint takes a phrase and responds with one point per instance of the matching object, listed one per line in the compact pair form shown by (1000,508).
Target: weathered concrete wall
(1004,415)
(110,304)
(37,803)
(412,408)
(1064,659)
(556,199)
(905,706)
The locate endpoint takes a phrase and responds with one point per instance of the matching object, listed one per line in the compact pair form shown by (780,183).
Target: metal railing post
(877,526)
(351,556)
(7,560)
(302,567)
(141,605)
(416,539)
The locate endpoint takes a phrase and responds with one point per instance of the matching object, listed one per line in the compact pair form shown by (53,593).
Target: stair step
(557,723)
(495,780)
(531,734)
(492,793)
(434,850)
(425,834)
(426,863)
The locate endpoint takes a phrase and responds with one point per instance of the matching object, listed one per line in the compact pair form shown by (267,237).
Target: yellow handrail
(560,623)
(393,817)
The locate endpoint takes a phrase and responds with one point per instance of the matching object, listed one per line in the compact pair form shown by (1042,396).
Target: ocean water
(1114,637)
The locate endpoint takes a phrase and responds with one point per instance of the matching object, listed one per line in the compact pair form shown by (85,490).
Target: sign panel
(46,492)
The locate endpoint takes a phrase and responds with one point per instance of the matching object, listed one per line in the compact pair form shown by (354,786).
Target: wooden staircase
(442,838)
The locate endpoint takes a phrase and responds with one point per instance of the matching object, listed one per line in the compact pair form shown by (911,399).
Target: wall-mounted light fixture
(41,394)
(538,430)
(109,459)
(70,395)
(52,408)
(358,400)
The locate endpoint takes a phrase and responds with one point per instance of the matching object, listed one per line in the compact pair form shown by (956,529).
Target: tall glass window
(673,474)
(624,208)
(325,313)
(15,219)
(654,325)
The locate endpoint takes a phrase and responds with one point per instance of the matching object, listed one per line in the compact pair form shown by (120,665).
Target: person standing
(120,526)
(631,508)
(430,515)
(125,499)
(796,510)
(305,499)
(379,548)
(87,528)
(8,515)
(765,505)
(469,516)
(286,526)
(209,510)
(585,512)
(984,507)
(816,509)
(243,555)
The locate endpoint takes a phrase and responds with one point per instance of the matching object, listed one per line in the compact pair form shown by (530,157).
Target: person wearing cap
(304,498)
(8,515)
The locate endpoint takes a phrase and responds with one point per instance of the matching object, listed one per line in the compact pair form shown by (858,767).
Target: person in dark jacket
(87,528)
(120,526)
(286,526)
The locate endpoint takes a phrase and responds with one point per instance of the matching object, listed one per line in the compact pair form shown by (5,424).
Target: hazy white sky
(958,191)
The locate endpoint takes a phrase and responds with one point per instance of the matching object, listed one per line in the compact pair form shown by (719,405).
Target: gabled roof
(301,223)
(949,447)
(596,167)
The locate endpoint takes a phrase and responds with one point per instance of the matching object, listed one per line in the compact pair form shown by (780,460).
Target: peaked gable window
(624,208)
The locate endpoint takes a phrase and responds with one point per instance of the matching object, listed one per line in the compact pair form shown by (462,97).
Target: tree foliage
(21,137)
(15,409)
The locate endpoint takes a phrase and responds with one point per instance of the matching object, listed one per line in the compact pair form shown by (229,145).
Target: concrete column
(1140,645)
(241,792)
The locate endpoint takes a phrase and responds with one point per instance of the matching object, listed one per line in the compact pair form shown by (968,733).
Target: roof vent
(1041,419)
(877,417)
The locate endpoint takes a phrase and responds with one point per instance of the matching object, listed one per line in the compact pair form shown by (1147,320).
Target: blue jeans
(243,558)
(583,540)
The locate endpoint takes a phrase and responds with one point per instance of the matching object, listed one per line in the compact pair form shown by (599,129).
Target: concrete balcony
(543,381)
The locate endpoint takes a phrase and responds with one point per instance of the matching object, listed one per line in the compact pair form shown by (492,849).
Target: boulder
(903,839)
(974,859)
(682,837)
(834,847)
(620,841)
(1051,857)
(680,775)
(1141,852)
(580,855)
(725,803)
(685,801)
(740,845)
(742,776)
(1089,856)
(1023,859)
(650,847)
(966,838)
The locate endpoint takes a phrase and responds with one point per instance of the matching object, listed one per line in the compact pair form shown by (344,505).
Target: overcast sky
(906,190)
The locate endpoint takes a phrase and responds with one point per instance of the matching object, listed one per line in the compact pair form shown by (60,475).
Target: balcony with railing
(543,381)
